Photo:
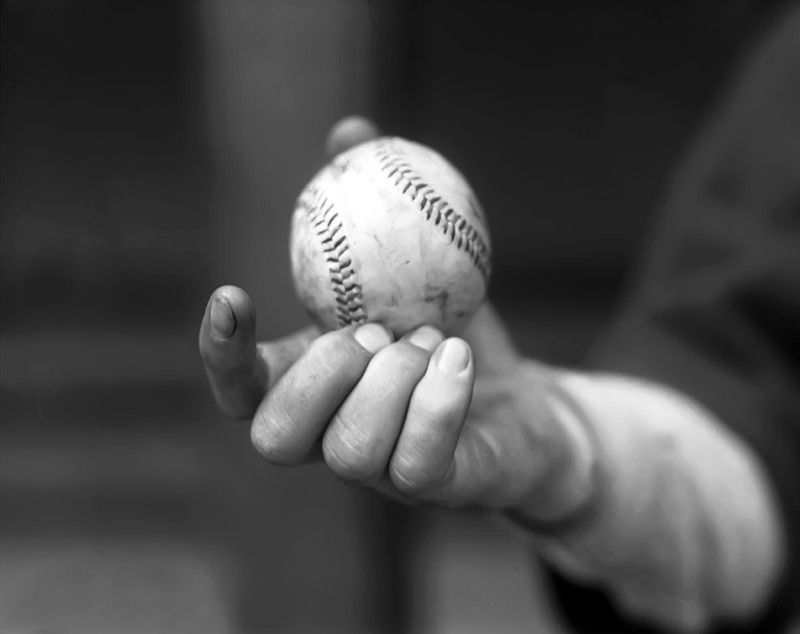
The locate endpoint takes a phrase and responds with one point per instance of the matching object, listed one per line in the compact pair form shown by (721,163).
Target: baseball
(390,232)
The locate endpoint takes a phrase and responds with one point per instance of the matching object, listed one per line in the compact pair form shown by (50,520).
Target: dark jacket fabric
(715,307)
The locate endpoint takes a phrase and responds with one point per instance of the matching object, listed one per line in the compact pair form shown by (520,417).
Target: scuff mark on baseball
(390,232)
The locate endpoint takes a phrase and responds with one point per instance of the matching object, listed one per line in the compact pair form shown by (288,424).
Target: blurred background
(152,151)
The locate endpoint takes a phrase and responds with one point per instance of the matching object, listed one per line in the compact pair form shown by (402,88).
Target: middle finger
(359,441)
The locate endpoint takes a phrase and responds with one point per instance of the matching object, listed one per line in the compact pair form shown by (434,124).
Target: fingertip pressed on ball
(389,231)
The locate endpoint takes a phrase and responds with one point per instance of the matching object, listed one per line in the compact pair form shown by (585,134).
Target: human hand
(462,421)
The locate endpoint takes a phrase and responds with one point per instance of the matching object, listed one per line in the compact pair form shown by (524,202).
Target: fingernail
(426,337)
(373,337)
(452,356)
(221,318)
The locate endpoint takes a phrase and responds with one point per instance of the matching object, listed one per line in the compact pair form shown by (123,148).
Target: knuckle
(437,413)
(326,344)
(268,441)
(414,478)
(402,357)
(348,461)
(335,352)
(263,442)
(431,408)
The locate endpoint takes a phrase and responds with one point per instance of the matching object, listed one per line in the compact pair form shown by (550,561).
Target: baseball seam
(344,282)
(452,224)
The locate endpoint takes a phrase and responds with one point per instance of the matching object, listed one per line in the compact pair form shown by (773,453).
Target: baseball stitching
(453,225)
(344,281)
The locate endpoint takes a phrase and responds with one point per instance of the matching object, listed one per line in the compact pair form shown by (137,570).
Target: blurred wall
(278,76)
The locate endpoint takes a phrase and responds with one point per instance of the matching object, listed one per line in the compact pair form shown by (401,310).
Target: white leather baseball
(389,231)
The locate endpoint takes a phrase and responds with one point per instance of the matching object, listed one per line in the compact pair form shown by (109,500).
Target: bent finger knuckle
(349,459)
(415,477)
(335,354)
(400,358)
(266,435)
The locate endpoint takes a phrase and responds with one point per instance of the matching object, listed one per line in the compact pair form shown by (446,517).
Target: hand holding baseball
(456,421)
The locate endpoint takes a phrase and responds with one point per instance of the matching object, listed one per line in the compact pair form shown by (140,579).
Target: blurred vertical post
(279,75)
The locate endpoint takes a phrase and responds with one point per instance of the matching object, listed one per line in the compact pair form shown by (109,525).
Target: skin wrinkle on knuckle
(272,426)
(414,450)
(332,353)
(329,365)
(412,478)
(392,370)
(348,427)
(348,460)
(400,358)
(435,411)
(435,408)
(404,484)
(261,440)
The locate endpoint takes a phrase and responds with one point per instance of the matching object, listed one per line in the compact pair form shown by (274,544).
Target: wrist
(567,492)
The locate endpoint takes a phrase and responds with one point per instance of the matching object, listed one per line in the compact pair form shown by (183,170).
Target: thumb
(240,371)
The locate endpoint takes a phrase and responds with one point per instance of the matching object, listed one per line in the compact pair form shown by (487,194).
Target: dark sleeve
(715,309)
